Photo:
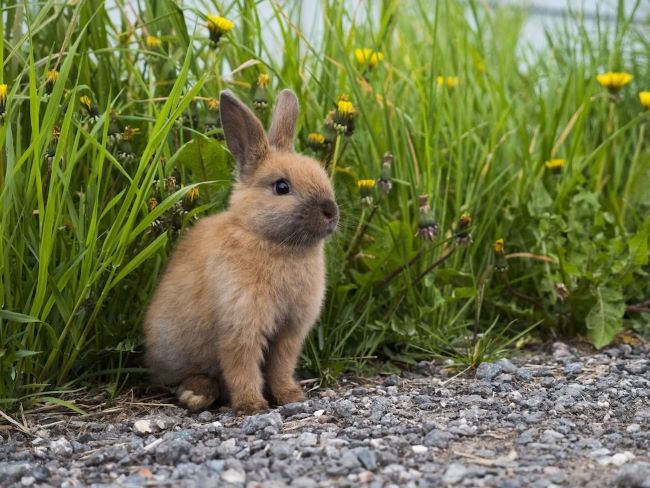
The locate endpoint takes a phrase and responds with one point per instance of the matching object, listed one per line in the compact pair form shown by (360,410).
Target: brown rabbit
(244,286)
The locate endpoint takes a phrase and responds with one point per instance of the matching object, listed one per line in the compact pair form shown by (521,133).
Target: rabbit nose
(329,209)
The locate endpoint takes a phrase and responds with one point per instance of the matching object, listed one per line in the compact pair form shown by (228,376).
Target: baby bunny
(244,287)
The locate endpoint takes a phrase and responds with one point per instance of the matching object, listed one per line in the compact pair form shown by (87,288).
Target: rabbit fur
(243,288)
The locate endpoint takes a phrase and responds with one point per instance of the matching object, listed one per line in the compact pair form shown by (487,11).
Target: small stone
(455,473)
(366,476)
(438,438)
(216,465)
(291,409)
(487,371)
(420,449)
(573,369)
(349,460)
(281,449)
(367,457)
(636,367)
(205,416)
(561,351)
(425,368)
(233,476)
(257,423)
(307,439)
(344,408)
(27,480)
(524,374)
(633,428)
(319,413)
(551,436)
(228,448)
(633,475)
(61,447)
(143,426)
(302,482)
(392,380)
(618,459)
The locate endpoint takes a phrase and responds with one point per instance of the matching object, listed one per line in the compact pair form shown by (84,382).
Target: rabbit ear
(244,134)
(283,123)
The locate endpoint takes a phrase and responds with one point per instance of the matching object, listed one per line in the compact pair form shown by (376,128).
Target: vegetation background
(490,193)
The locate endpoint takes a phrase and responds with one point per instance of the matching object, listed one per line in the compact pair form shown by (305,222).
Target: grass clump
(485,188)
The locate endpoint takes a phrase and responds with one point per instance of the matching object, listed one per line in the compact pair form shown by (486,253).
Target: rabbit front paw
(249,406)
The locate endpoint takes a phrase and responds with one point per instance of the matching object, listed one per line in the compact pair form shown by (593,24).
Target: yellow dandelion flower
(448,81)
(91,108)
(368,57)
(218,26)
(85,101)
(263,80)
(499,246)
(345,107)
(52,76)
(644,98)
(614,81)
(213,104)
(555,164)
(153,41)
(366,184)
(3,97)
(316,138)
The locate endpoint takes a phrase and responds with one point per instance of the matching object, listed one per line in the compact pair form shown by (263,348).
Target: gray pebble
(633,475)
(257,423)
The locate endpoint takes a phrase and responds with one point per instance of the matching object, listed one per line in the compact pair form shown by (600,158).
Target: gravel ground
(556,419)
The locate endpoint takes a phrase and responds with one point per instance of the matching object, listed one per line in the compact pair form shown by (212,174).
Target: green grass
(87,223)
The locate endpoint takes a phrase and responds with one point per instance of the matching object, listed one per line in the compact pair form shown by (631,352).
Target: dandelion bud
(152,203)
(462,232)
(114,130)
(561,291)
(125,151)
(213,104)
(315,140)
(3,101)
(193,195)
(130,132)
(170,184)
(153,42)
(385,182)
(427,227)
(52,76)
(260,93)
(500,263)
(91,108)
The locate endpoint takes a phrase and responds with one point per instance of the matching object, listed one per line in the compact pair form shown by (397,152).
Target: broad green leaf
(638,246)
(540,201)
(605,319)
(207,160)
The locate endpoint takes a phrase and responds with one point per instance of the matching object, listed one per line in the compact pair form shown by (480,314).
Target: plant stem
(441,260)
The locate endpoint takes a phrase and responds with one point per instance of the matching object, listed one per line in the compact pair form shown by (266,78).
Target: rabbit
(244,287)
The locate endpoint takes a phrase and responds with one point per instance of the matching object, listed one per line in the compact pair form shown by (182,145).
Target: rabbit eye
(281,187)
